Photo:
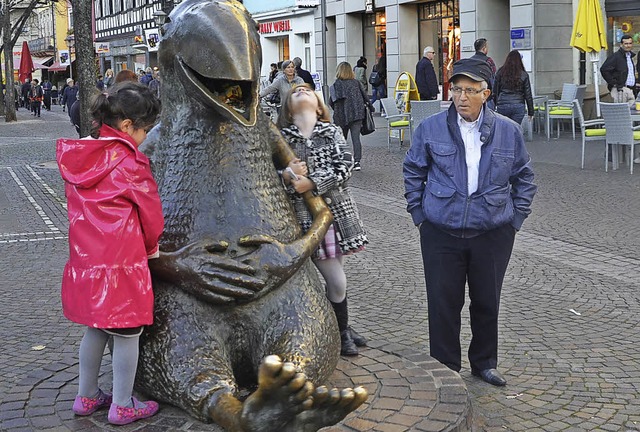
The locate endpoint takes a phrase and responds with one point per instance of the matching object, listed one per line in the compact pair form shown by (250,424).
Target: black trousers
(451,262)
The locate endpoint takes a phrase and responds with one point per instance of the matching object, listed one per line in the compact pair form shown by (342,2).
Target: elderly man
(619,72)
(469,187)
(426,79)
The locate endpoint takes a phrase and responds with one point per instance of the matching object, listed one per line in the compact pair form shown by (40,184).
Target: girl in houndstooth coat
(324,167)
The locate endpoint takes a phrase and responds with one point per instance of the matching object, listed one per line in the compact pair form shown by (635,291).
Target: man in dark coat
(304,74)
(482,49)
(619,72)
(25,93)
(426,79)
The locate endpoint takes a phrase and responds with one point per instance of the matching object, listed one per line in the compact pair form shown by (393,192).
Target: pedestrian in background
(348,99)
(100,83)
(69,95)
(109,80)
(25,92)
(283,83)
(36,96)
(620,74)
(426,79)
(64,87)
(154,84)
(126,75)
(323,167)
(482,53)
(513,89)
(361,73)
(302,73)
(273,73)
(469,187)
(378,80)
(46,88)
(147,77)
(115,221)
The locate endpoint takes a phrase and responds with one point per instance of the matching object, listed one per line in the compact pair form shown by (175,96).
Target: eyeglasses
(468,91)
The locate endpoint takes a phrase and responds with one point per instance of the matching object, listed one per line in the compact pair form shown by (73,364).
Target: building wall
(554,58)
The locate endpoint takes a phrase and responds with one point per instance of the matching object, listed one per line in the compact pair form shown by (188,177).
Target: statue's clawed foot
(282,394)
(329,407)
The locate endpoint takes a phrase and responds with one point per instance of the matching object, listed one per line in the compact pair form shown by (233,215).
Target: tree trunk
(85,60)
(10,101)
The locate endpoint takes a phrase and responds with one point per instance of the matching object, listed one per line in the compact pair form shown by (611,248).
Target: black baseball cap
(476,69)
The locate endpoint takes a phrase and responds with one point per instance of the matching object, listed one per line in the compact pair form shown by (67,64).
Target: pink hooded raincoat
(115,221)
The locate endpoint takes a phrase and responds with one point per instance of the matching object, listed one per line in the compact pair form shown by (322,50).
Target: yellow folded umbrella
(588,32)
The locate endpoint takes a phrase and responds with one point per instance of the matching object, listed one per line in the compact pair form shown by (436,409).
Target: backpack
(375,79)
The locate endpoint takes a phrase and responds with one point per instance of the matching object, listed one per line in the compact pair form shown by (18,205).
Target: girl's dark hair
(125,100)
(361,62)
(512,70)
(285,119)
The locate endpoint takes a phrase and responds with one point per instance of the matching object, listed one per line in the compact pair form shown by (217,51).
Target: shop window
(439,26)
(622,25)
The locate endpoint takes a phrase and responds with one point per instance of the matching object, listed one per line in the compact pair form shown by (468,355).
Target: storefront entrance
(375,37)
(439,27)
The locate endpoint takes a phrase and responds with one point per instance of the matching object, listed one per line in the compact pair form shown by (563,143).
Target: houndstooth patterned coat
(329,168)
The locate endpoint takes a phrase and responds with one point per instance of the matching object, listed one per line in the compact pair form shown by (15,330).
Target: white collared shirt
(631,75)
(470,132)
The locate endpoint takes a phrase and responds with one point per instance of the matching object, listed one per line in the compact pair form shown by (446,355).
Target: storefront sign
(275,27)
(153,39)
(369,6)
(307,3)
(102,47)
(64,58)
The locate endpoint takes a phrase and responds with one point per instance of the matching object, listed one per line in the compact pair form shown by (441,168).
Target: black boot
(347,345)
(358,339)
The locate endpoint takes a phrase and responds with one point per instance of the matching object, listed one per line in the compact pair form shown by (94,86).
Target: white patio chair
(396,121)
(420,110)
(561,109)
(620,132)
(587,131)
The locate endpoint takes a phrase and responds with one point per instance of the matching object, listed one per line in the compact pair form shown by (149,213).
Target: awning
(37,62)
(57,67)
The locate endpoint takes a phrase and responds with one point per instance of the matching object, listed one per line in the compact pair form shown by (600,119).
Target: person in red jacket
(115,222)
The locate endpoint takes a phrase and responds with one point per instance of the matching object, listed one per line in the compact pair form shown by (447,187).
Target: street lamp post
(70,40)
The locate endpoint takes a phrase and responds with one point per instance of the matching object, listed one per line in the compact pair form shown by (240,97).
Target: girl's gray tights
(333,273)
(124,361)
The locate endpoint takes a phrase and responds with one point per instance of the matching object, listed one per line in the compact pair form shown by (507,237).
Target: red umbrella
(26,63)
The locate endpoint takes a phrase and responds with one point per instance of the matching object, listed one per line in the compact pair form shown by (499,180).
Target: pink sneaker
(84,406)
(120,415)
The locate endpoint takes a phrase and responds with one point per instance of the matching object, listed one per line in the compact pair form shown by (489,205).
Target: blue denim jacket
(435,176)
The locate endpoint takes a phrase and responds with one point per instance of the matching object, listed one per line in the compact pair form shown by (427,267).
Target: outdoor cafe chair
(587,131)
(563,109)
(420,110)
(396,121)
(620,132)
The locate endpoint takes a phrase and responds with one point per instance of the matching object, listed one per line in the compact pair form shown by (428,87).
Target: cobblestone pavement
(570,306)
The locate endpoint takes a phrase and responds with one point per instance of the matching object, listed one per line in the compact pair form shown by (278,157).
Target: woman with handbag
(348,100)
(322,166)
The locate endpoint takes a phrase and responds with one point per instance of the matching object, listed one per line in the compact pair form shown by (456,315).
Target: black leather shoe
(492,376)
(359,340)
(347,345)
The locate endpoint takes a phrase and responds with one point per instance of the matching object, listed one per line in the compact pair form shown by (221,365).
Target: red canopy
(57,67)
(26,63)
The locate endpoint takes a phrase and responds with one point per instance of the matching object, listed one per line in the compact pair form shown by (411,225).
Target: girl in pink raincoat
(115,221)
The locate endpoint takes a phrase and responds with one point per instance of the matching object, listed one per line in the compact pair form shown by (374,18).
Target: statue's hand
(273,260)
(202,269)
